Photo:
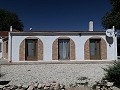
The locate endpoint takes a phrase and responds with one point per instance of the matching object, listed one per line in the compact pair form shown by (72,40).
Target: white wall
(47,46)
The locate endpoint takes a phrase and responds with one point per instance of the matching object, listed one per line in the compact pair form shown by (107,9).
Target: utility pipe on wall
(10,44)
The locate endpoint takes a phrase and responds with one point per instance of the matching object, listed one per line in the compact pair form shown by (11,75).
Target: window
(0,47)
(63,49)
(6,46)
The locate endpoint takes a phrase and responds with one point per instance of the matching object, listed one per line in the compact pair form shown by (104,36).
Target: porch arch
(55,48)
(39,49)
(103,47)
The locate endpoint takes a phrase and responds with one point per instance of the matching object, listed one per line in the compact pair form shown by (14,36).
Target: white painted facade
(15,39)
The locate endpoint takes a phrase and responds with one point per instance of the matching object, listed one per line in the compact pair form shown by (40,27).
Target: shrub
(113,73)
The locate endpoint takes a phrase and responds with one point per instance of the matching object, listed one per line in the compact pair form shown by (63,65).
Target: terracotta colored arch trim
(22,49)
(55,48)
(103,48)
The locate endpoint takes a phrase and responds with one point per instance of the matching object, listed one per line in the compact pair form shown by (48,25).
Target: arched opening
(95,48)
(63,48)
(31,49)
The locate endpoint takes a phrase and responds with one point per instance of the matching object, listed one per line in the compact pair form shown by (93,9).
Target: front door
(95,49)
(31,49)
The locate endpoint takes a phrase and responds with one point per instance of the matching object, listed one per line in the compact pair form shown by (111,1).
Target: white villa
(61,46)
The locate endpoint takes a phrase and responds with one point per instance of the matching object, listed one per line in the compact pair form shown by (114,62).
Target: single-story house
(61,46)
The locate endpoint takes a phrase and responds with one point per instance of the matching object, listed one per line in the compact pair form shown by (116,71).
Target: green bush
(113,73)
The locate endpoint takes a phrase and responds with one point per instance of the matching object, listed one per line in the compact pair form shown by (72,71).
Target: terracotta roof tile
(4,33)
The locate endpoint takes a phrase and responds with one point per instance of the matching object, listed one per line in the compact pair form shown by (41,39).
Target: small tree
(112,18)
(113,73)
(8,19)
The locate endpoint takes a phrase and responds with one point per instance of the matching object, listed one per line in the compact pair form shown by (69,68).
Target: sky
(58,14)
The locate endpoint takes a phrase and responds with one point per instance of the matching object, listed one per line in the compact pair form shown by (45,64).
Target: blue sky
(58,14)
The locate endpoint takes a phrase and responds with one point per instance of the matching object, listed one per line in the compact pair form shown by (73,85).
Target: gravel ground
(62,73)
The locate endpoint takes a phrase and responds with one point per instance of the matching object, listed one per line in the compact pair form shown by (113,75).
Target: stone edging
(56,62)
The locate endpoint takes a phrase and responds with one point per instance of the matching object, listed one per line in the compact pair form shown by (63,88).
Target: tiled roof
(64,31)
(4,33)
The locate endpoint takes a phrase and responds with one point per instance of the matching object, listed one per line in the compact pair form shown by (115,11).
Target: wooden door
(31,49)
(95,49)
